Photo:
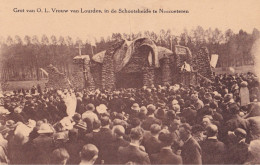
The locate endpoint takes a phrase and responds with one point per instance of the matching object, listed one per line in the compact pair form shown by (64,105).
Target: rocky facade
(57,80)
(108,73)
(203,63)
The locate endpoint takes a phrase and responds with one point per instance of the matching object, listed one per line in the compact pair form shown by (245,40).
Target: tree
(44,40)
(18,40)
(9,41)
(27,40)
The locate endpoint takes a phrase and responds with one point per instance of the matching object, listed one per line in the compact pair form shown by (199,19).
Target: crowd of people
(216,123)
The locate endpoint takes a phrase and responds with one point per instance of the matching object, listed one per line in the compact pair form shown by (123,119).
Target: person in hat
(101,109)
(80,125)
(89,137)
(238,152)
(197,102)
(142,114)
(88,154)
(10,124)
(235,121)
(103,138)
(16,116)
(151,119)
(43,145)
(135,109)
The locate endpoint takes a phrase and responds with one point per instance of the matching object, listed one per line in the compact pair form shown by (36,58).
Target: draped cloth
(70,102)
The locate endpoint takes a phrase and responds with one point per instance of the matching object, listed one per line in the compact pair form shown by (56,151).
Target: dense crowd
(212,123)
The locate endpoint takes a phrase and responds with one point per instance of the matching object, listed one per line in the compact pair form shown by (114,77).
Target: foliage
(21,58)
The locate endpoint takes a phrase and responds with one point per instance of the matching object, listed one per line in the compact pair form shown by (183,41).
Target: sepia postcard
(129,82)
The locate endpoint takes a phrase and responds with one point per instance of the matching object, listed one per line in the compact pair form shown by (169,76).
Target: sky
(222,14)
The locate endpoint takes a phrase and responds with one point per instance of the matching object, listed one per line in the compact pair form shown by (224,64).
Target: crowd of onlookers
(217,123)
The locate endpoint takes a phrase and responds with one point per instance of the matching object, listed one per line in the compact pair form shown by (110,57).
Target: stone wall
(77,77)
(166,71)
(108,73)
(148,73)
(56,79)
(203,63)
(81,76)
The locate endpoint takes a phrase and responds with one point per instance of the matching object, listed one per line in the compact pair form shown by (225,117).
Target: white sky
(223,14)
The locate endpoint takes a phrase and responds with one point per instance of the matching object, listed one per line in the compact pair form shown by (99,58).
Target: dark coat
(102,139)
(166,156)
(191,152)
(17,117)
(152,145)
(213,151)
(43,146)
(116,105)
(237,154)
(235,122)
(132,154)
(111,157)
(89,137)
(74,148)
(190,115)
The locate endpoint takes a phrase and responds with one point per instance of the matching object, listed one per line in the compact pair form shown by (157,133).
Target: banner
(214,60)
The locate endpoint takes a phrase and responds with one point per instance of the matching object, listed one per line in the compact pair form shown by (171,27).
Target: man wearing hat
(43,145)
(151,118)
(103,138)
(238,152)
(80,125)
(135,109)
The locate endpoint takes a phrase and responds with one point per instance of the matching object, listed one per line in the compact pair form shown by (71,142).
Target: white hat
(31,123)
(18,110)
(66,123)
(174,102)
(45,128)
(102,108)
(135,107)
(3,111)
